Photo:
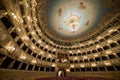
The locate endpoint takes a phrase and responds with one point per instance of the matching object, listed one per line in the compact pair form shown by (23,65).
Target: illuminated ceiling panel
(72,18)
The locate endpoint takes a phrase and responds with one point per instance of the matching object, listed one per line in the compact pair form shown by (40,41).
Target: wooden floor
(8,74)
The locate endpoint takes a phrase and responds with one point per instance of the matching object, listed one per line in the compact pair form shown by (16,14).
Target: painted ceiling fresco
(72,18)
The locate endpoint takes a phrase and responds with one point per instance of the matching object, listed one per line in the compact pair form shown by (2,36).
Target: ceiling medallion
(73,22)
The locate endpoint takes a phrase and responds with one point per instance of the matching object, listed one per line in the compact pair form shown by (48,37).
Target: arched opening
(61,73)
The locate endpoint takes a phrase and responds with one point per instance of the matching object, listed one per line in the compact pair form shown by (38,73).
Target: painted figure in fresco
(87,23)
(60,28)
(60,11)
(82,6)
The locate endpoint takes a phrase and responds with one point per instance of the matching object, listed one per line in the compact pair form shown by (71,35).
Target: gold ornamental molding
(89,35)
(112,3)
(106,20)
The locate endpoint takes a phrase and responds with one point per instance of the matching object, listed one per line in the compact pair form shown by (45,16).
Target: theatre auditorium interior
(59,39)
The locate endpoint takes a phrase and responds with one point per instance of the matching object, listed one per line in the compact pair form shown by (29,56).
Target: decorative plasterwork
(88,35)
